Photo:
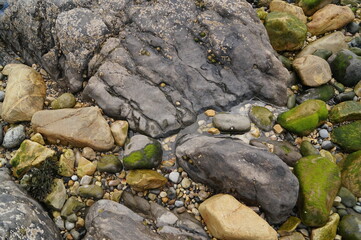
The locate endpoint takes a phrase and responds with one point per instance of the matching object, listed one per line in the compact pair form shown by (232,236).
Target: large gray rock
(253,175)
(21,217)
(165,62)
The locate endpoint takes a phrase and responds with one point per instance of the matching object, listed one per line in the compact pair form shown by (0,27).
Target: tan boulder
(281,6)
(86,167)
(141,180)
(82,127)
(312,70)
(329,18)
(228,219)
(25,93)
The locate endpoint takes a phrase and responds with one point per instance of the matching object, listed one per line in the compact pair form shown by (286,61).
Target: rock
(91,191)
(109,164)
(347,136)
(320,180)
(293,236)
(286,32)
(346,68)
(142,152)
(72,205)
(186,183)
(14,136)
(136,203)
(262,117)
(168,218)
(198,155)
(57,197)
(83,127)
(226,218)
(108,219)
(324,93)
(312,70)
(89,153)
(21,216)
(29,154)
(281,6)
(328,231)
(304,118)
(86,167)
(228,122)
(357,89)
(309,7)
(345,111)
(38,138)
(351,178)
(174,177)
(330,17)
(289,226)
(66,163)
(327,145)
(66,100)
(347,197)
(326,154)
(345,96)
(333,42)
(119,130)
(322,53)
(86,180)
(25,93)
(323,133)
(308,149)
(141,180)
(349,227)
(352,3)
(291,102)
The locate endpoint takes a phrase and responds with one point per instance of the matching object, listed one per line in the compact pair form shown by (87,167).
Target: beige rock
(120,131)
(66,163)
(313,70)
(86,167)
(141,180)
(293,236)
(329,18)
(38,138)
(228,219)
(25,93)
(333,42)
(89,153)
(328,231)
(82,127)
(281,6)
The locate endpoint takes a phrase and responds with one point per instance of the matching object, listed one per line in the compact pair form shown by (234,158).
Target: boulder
(304,118)
(347,136)
(83,127)
(281,6)
(21,216)
(262,117)
(329,18)
(228,122)
(345,111)
(350,227)
(227,218)
(311,6)
(56,198)
(66,100)
(351,178)
(286,32)
(25,93)
(312,70)
(328,231)
(228,165)
(29,154)
(320,181)
(346,68)
(141,180)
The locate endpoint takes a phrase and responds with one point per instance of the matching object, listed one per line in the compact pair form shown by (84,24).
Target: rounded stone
(174,177)
(86,180)
(69,225)
(186,183)
(327,145)
(227,122)
(109,163)
(14,136)
(66,100)
(324,133)
(179,203)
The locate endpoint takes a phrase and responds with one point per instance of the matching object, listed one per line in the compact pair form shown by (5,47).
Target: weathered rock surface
(83,127)
(25,93)
(281,6)
(349,227)
(254,176)
(346,68)
(328,231)
(152,43)
(21,217)
(56,198)
(348,136)
(311,6)
(141,180)
(351,178)
(345,111)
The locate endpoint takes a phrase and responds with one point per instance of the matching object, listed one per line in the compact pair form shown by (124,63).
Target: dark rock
(348,136)
(324,93)
(21,217)
(350,227)
(323,53)
(347,197)
(227,122)
(345,96)
(353,27)
(253,175)
(346,68)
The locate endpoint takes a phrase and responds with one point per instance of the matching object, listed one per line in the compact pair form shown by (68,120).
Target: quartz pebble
(174,177)
(69,225)
(324,133)
(85,180)
(186,183)
(74,177)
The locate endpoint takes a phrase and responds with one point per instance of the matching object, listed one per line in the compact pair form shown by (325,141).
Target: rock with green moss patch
(29,154)
(72,205)
(308,149)
(311,6)
(57,197)
(66,100)
(351,177)
(286,32)
(262,117)
(66,163)
(348,136)
(141,180)
(142,152)
(320,180)
(345,111)
(289,226)
(324,93)
(304,118)
(346,68)
(91,191)
(110,164)
(323,53)
(328,231)
(350,227)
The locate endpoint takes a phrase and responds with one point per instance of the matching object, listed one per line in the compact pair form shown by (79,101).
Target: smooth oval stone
(353,27)
(323,53)
(109,163)
(350,227)
(348,136)
(291,101)
(347,197)
(227,122)
(345,96)
(324,133)
(14,136)
(66,100)
(262,117)
(324,93)
(308,149)
(91,191)
(327,145)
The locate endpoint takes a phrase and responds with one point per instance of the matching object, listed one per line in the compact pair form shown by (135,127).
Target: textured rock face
(253,175)
(20,216)
(171,56)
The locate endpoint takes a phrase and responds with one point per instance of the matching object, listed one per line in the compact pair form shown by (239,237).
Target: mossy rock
(349,227)
(289,226)
(345,111)
(308,149)
(66,100)
(324,93)
(262,117)
(351,177)
(72,205)
(311,6)
(110,164)
(320,181)
(323,53)
(66,163)
(348,136)
(303,119)
(91,191)
(286,32)
(346,68)
(328,231)
(57,197)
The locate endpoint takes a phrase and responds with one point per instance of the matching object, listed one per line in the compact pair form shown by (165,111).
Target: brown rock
(120,131)
(83,127)
(313,70)
(227,218)
(281,6)
(141,180)
(25,93)
(329,18)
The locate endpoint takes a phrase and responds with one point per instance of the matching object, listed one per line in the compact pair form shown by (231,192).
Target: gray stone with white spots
(14,137)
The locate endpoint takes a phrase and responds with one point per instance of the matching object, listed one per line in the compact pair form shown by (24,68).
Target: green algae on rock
(91,191)
(320,180)
(109,163)
(345,68)
(262,117)
(308,149)
(289,226)
(286,32)
(311,6)
(351,177)
(345,111)
(57,197)
(324,93)
(328,231)
(66,163)
(348,136)
(72,205)
(303,119)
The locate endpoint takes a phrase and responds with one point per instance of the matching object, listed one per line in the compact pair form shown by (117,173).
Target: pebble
(59,222)
(357,208)
(69,225)
(86,180)
(14,137)
(186,183)
(75,234)
(74,177)
(174,177)
(324,133)
(89,153)
(2,96)
(327,145)
(163,194)
(113,183)
(179,203)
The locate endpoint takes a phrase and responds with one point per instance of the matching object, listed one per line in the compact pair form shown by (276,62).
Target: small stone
(278,129)
(324,133)
(75,234)
(89,153)
(86,180)
(86,167)
(66,100)
(186,183)
(72,205)
(37,137)
(214,131)
(348,198)
(66,163)
(289,226)
(59,222)
(307,149)
(179,204)
(110,164)
(174,177)
(119,130)
(141,180)
(210,113)
(14,136)
(327,145)
(69,225)
(262,117)
(231,122)
(57,197)
(91,191)
(163,194)
(74,177)
(181,210)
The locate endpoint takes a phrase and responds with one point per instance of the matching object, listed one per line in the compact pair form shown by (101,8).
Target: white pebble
(74,177)
(174,177)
